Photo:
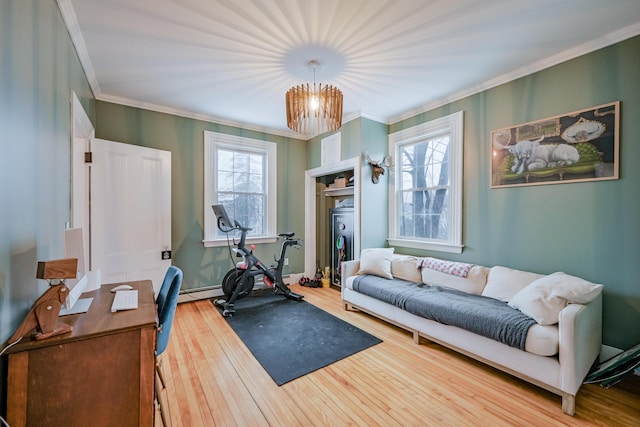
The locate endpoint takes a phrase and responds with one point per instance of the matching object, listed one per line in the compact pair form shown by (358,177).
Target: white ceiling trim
(197,116)
(71,22)
(608,40)
(217,120)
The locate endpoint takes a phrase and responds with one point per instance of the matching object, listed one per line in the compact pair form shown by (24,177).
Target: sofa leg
(349,307)
(416,337)
(568,404)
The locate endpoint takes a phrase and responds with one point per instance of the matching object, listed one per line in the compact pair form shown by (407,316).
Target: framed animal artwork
(573,147)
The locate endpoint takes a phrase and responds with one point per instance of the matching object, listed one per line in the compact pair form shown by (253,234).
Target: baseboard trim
(191,295)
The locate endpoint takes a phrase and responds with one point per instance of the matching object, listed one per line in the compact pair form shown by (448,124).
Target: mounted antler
(377,167)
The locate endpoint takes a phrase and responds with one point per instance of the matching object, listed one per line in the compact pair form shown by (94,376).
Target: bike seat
(288,234)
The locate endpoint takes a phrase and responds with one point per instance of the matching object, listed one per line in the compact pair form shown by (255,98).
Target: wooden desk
(100,374)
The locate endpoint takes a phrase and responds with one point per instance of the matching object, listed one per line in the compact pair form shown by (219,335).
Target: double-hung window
(425,200)
(240,173)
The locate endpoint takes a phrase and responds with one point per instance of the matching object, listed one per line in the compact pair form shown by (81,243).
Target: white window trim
(454,123)
(213,140)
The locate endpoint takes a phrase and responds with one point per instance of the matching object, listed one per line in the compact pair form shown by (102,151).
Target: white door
(82,132)
(130,212)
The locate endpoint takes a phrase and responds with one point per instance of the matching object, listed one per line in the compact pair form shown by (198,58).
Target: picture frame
(573,147)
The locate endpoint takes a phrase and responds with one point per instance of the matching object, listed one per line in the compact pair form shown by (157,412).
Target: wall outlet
(286,261)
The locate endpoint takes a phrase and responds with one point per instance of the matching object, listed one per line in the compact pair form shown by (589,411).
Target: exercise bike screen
(221,213)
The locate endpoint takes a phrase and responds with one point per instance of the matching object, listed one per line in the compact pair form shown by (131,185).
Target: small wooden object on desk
(43,316)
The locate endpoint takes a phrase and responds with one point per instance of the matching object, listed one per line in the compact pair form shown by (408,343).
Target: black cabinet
(341,240)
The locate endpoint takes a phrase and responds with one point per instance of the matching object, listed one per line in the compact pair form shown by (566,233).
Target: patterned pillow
(472,284)
(459,269)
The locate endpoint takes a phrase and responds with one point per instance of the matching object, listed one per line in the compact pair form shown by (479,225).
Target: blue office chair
(171,273)
(167,302)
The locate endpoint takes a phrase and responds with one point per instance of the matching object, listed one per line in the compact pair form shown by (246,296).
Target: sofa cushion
(376,261)
(405,267)
(484,316)
(472,284)
(503,283)
(349,282)
(544,299)
(543,340)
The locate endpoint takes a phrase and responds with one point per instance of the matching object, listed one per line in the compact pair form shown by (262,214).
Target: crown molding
(374,118)
(592,46)
(196,116)
(359,114)
(346,118)
(71,22)
(221,121)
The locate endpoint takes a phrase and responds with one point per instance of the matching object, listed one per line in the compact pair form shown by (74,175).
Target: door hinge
(88,157)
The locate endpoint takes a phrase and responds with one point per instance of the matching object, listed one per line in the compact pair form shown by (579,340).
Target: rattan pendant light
(312,110)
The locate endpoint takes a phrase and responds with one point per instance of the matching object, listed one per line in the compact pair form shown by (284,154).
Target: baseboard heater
(213,291)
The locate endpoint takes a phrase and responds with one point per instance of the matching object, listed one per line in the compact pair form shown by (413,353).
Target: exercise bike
(239,281)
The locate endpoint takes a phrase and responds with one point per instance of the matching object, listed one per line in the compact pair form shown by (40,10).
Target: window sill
(432,246)
(224,242)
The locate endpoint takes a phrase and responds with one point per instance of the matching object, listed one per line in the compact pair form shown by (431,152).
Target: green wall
(38,72)
(374,198)
(357,136)
(184,138)
(587,229)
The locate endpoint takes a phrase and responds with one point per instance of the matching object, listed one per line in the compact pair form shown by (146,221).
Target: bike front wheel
(233,279)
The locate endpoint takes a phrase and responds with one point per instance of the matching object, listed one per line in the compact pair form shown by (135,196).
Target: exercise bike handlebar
(237,226)
(289,240)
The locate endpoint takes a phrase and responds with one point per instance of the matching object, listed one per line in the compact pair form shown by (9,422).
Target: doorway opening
(311,178)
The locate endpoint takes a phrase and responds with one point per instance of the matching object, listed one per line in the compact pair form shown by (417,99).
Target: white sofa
(564,360)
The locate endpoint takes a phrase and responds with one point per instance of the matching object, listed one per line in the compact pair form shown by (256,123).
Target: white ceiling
(232,61)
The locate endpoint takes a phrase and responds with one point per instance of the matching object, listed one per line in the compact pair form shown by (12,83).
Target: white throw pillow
(404,267)
(376,261)
(544,299)
(503,283)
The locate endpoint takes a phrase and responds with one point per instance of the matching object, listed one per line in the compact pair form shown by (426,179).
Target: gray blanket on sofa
(482,315)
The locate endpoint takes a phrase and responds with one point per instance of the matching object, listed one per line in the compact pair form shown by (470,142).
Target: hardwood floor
(213,380)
